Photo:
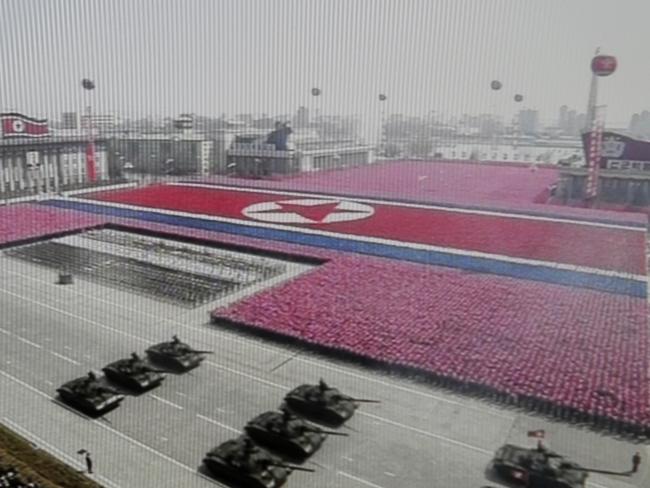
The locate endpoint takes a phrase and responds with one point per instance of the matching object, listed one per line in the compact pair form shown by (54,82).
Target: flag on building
(16,125)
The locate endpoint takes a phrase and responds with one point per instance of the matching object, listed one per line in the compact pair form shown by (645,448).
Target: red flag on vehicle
(91,168)
(539,434)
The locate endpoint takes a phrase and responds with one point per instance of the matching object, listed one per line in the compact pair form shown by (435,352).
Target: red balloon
(603,65)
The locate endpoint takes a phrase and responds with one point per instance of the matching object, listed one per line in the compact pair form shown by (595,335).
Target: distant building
(563,120)
(528,121)
(301,119)
(173,154)
(70,121)
(101,122)
(640,124)
(246,118)
(43,163)
(250,156)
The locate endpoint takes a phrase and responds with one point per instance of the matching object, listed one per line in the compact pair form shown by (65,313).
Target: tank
(90,395)
(324,403)
(287,433)
(134,373)
(242,463)
(537,468)
(176,354)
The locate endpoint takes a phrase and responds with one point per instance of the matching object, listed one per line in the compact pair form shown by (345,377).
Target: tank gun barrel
(603,471)
(194,351)
(310,428)
(292,467)
(365,400)
(331,432)
(151,370)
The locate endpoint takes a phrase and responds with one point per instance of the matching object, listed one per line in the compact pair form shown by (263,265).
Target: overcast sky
(163,57)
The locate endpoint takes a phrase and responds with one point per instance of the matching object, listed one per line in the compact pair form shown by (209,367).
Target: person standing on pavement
(636,461)
(89,463)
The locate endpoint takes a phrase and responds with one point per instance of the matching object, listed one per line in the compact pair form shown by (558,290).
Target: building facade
(259,160)
(47,165)
(163,154)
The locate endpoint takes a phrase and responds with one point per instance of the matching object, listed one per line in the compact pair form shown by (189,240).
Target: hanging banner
(91,166)
(594,151)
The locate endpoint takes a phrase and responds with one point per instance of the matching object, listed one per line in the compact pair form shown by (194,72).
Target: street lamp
(91,168)
(382,98)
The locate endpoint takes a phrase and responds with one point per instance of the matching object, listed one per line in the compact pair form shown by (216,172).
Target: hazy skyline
(163,57)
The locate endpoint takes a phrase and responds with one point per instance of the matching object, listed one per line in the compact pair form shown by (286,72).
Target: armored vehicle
(287,433)
(246,465)
(538,468)
(133,373)
(89,395)
(176,354)
(321,402)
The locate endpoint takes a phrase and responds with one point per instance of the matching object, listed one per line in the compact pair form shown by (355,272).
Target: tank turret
(90,395)
(176,354)
(242,462)
(323,403)
(287,433)
(134,373)
(538,468)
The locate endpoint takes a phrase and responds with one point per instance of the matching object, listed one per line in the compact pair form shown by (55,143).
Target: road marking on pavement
(410,390)
(426,433)
(212,421)
(166,402)
(5,331)
(274,349)
(115,431)
(388,473)
(27,341)
(65,358)
(246,375)
(73,462)
(255,378)
(360,480)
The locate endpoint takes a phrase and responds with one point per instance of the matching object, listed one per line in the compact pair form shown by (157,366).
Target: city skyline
(162,58)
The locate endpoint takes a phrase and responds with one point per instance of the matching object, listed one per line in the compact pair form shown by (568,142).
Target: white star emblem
(308,211)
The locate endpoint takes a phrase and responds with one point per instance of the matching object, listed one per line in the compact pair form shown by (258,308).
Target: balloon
(88,84)
(382,97)
(496,85)
(603,65)
(315,91)
(519,98)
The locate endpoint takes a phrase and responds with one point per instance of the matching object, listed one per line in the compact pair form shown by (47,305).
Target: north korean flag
(19,125)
